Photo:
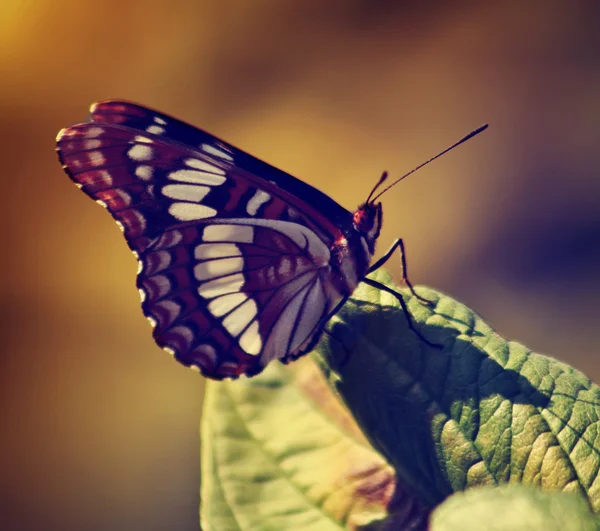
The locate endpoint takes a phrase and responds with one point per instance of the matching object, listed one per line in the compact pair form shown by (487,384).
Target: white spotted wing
(235,264)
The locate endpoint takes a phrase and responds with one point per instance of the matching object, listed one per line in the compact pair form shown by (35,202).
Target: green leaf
(513,508)
(481,411)
(279,451)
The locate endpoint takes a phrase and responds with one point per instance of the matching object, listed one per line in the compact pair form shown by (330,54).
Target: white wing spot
(142,294)
(218,268)
(102,176)
(191,211)
(140,152)
(213,150)
(285,266)
(144,172)
(120,225)
(155,129)
(186,192)
(93,132)
(251,342)
(228,233)
(152,321)
(226,303)
(92,144)
(96,158)
(204,166)
(258,199)
(302,236)
(221,286)
(143,139)
(101,203)
(140,219)
(237,320)
(160,121)
(197,177)
(211,250)
(123,196)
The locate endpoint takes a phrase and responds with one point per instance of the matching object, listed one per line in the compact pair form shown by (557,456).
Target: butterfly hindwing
(226,296)
(232,275)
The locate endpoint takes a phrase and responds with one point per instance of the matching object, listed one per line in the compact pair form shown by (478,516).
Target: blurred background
(99,426)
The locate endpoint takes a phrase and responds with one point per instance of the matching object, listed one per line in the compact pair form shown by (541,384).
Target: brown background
(99,426)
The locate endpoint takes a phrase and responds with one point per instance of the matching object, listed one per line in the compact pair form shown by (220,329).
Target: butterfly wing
(312,202)
(234,266)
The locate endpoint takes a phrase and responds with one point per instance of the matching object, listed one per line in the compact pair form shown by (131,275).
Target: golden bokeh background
(99,426)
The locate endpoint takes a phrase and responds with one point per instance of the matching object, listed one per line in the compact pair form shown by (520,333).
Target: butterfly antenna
(381,180)
(456,144)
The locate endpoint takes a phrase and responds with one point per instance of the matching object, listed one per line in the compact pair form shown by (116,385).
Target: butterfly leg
(399,244)
(409,318)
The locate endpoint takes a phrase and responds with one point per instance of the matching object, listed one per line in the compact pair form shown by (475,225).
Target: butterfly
(239,262)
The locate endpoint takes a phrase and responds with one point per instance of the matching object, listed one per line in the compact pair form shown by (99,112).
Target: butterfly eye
(364,218)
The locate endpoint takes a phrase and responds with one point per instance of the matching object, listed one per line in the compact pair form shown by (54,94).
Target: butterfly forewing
(234,267)
(316,205)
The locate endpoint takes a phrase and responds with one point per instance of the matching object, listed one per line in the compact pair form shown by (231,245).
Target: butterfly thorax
(352,252)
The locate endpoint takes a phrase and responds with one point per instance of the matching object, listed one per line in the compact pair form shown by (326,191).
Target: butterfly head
(368,216)
(367,222)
